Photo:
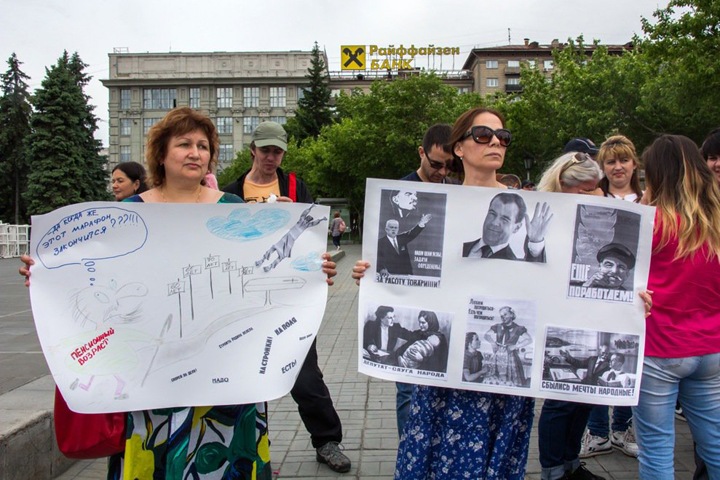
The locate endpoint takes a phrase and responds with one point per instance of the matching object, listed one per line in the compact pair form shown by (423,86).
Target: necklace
(197,199)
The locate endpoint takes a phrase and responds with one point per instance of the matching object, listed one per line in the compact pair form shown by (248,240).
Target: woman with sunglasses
(446,426)
(682,343)
(561,423)
(619,162)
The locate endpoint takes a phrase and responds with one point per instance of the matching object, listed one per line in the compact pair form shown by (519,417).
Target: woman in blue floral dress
(456,434)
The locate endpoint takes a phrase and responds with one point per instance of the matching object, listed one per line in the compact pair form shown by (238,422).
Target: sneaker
(581,473)
(593,445)
(679,413)
(625,442)
(331,454)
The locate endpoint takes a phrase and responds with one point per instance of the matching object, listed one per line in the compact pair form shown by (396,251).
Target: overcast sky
(39,30)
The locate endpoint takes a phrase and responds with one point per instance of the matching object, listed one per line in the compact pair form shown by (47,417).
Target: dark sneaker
(581,473)
(331,454)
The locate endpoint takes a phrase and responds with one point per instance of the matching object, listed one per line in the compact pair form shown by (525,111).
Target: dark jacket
(302,192)
(506,253)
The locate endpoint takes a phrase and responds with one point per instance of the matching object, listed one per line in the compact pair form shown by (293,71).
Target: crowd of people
(455,433)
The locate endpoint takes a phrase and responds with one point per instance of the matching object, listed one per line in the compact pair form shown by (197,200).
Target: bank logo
(352,57)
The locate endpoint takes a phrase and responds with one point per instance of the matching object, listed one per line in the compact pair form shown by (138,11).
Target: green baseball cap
(270,134)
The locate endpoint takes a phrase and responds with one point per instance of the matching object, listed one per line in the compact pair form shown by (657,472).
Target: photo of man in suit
(616,376)
(393,253)
(595,366)
(505,217)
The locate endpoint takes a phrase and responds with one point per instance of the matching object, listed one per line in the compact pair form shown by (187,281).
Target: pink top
(685,319)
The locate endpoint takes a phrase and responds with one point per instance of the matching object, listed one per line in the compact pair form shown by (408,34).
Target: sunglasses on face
(483,135)
(435,165)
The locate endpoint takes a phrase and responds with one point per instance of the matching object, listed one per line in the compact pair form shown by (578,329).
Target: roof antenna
(509,39)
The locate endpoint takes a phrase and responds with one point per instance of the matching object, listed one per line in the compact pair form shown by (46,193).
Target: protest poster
(463,292)
(141,306)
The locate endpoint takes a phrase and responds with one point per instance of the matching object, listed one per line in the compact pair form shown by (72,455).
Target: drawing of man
(616,377)
(283,247)
(616,261)
(505,216)
(403,202)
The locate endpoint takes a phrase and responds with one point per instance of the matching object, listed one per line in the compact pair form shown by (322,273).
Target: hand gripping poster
(504,291)
(141,306)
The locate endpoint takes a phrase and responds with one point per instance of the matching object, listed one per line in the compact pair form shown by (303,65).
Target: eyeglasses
(482,135)
(435,165)
(576,159)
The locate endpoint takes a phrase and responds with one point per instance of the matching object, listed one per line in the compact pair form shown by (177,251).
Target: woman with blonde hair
(682,344)
(573,172)
(619,162)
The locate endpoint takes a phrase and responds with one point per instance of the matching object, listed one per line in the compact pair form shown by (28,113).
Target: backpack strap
(292,186)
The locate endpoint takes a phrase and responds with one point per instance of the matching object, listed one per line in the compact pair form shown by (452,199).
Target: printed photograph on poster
(509,232)
(604,253)
(410,242)
(499,342)
(406,339)
(590,362)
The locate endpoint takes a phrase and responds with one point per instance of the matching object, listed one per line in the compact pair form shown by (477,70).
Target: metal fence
(14,240)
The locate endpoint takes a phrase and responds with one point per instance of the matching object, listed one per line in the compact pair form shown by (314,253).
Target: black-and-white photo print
(509,232)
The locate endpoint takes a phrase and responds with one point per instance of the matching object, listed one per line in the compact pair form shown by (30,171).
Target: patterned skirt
(228,442)
(456,434)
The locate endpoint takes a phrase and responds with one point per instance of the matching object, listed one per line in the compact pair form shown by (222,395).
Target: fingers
(359,270)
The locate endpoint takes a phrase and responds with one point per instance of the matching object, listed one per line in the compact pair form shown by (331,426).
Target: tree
(64,163)
(313,112)
(15,111)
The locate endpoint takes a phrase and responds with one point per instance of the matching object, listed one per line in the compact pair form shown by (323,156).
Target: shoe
(679,413)
(625,442)
(331,455)
(581,473)
(593,445)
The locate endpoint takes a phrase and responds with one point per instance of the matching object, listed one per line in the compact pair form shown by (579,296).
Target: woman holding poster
(682,347)
(194,441)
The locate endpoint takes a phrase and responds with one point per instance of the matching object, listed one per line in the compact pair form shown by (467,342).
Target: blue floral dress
(456,434)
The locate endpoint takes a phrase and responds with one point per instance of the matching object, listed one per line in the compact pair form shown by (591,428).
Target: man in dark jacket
(265,181)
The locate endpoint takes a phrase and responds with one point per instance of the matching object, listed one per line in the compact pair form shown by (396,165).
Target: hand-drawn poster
(535,293)
(142,306)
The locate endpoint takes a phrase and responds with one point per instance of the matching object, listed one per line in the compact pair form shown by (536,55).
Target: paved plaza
(365,405)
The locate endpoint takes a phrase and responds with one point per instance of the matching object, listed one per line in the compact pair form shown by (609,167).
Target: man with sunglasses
(436,157)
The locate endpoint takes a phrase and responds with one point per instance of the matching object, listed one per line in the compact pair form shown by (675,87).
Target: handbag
(88,435)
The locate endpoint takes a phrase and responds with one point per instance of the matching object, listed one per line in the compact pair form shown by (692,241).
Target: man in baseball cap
(582,145)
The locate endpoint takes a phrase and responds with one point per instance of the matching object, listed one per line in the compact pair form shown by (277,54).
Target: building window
(159,98)
(462,90)
(277,96)
(225,154)
(224,125)
(532,63)
(250,124)
(251,96)
(548,64)
(513,81)
(491,64)
(224,97)
(280,120)
(125,126)
(125,99)
(513,63)
(301,93)
(125,153)
(491,82)
(194,97)
(148,123)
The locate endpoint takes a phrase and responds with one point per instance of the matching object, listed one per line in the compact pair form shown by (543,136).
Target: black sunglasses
(482,135)
(435,165)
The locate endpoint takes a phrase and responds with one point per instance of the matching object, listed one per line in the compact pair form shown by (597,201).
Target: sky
(39,30)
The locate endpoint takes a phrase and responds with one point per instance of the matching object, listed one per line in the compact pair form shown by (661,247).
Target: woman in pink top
(682,350)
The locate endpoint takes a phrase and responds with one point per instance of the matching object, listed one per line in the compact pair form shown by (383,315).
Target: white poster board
(558,318)
(141,306)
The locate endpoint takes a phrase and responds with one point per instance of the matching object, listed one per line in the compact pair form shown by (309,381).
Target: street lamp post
(528,161)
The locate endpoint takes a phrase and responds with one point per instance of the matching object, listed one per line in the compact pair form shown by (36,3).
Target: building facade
(238,90)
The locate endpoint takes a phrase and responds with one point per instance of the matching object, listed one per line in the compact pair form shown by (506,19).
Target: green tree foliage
(15,112)
(313,112)
(64,163)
